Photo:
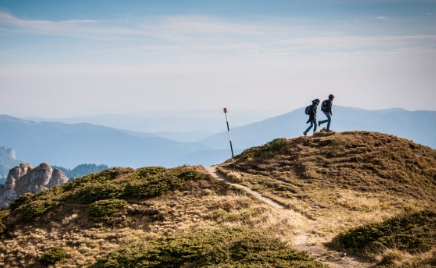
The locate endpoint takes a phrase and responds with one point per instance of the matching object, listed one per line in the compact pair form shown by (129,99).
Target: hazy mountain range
(419,126)
(69,145)
(172,124)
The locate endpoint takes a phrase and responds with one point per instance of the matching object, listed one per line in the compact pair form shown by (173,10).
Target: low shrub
(158,184)
(102,209)
(410,232)
(37,208)
(3,226)
(52,256)
(222,248)
(25,198)
(94,192)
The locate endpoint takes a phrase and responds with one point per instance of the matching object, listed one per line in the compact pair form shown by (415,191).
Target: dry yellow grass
(340,180)
(197,206)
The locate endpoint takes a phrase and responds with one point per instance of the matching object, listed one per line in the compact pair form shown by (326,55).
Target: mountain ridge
(51,142)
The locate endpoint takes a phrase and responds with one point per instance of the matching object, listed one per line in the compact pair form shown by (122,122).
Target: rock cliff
(25,179)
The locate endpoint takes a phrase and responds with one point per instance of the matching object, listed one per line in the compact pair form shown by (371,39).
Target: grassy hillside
(341,180)
(365,193)
(151,217)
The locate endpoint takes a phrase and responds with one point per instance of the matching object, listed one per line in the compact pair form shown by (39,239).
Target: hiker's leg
(307,130)
(329,119)
(314,124)
(325,121)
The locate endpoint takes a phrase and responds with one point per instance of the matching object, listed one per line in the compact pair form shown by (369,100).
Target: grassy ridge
(121,183)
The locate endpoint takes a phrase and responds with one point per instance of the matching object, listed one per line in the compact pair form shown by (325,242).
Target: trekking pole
(228,131)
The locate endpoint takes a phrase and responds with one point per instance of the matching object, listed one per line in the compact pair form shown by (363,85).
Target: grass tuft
(102,209)
(52,256)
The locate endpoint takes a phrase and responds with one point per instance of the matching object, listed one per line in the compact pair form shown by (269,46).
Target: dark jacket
(328,106)
(312,112)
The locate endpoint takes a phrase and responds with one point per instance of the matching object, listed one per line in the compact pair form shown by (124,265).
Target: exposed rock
(57,178)
(25,179)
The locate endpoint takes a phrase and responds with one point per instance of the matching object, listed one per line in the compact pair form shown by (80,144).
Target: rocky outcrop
(25,179)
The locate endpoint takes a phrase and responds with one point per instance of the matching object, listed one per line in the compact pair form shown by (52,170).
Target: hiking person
(311,111)
(326,107)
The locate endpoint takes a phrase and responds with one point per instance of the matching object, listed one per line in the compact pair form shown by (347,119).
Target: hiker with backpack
(311,111)
(326,107)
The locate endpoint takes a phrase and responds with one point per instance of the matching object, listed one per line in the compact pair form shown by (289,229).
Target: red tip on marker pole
(225,110)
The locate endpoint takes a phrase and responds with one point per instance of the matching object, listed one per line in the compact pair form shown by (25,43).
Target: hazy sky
(70,58)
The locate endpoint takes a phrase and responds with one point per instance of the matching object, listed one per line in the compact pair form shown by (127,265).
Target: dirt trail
(332,258)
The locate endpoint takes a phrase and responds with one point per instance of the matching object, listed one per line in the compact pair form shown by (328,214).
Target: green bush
(97,191)
(37,208)
(410,232)
(274,145)
(3,226)
(222,248)
(102,209)
(109,184)
(158,184)
(145,172)
(52,256)
(153,186)
(105,176)
(25,198)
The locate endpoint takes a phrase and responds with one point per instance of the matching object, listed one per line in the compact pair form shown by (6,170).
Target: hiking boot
(305,133)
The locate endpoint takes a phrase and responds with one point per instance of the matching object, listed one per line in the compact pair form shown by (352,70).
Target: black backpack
(324,106)
(308,109)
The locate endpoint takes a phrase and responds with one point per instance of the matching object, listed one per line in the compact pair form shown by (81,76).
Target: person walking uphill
(311,111)
(326,107)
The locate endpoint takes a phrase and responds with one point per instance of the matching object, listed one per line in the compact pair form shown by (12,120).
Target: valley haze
(69,145)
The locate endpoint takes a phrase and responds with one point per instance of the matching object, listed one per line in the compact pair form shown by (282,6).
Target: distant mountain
(68,145)
(81,170)
(190,136)
(205,157)
(419,126)
(8,160)
(206,120)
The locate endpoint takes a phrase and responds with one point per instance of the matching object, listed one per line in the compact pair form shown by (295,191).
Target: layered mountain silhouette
(68,145)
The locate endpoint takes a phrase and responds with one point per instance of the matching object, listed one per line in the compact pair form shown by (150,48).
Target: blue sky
(130,56)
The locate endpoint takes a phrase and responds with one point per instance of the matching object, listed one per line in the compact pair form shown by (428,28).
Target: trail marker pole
(228,131)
